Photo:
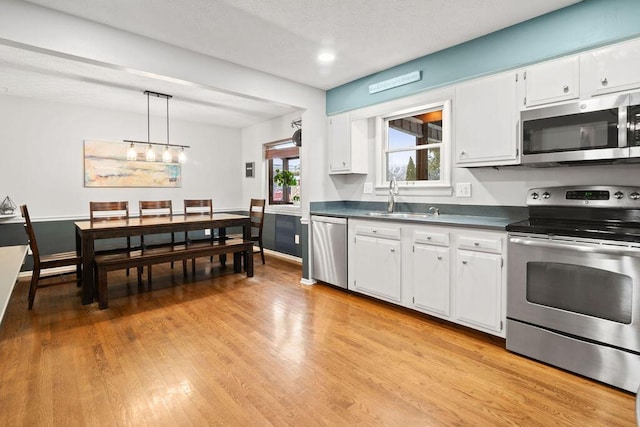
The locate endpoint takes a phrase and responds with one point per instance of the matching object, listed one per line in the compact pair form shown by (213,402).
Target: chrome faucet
(393,192)
(435,210)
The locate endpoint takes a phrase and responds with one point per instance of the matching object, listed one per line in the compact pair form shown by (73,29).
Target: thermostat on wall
(249,169)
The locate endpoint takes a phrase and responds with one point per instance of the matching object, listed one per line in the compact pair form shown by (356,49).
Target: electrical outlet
(368,188)
(463,189)
(207,232)
(297,239)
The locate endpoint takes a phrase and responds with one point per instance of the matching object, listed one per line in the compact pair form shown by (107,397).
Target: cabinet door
(612,69)
(552,81)
(339,143)
(377,267)
(431,279)
(479,289)
(486,123)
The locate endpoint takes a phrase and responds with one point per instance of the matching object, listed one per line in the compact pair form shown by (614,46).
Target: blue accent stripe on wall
(576,28)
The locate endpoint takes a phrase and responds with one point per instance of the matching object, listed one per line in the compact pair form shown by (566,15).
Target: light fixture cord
(148,121)
(167,122)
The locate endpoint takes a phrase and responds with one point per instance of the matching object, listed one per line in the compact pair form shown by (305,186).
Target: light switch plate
(368,188)
(463,189)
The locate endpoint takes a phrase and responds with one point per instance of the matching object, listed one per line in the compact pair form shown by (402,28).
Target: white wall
(36,28)
(42,158)
(253,139)
(505,186)
(315,182)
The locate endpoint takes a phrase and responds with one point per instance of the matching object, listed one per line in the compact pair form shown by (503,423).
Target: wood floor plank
(221,348)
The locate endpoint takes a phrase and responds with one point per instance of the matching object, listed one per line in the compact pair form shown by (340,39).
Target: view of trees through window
(414,145)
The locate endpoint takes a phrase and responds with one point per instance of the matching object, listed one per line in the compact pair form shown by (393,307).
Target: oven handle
(578,246)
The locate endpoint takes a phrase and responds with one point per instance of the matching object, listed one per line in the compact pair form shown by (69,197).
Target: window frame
(292,153)
(423,187)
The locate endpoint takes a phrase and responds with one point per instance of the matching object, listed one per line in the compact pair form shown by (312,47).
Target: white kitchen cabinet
(611,69)
(430,262)
(486,121)
(479,283)
(552,81)
(375,255)
(454,273)
(348,139)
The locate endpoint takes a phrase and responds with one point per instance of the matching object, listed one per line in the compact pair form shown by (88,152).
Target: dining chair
(110,211)
(197,207)
(256,212)
(45,262)
(154,209)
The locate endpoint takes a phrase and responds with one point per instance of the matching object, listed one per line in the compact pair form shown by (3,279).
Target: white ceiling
(281,37)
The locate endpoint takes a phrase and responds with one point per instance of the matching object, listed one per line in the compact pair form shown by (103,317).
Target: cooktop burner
(595,212)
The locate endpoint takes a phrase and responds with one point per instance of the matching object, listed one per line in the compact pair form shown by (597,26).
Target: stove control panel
(588,196)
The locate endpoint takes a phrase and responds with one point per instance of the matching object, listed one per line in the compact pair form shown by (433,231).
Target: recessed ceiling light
(326,57)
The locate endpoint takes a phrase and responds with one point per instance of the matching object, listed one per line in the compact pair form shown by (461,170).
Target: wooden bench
(159,255)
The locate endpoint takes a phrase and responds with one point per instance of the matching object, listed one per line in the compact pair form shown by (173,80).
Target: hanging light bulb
(132,154)
(151,155)
(166,155)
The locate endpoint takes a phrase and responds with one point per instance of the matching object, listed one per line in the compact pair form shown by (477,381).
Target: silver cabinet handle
(565,88)
(476,244)
(464,262)
(428,237)
(439,258)
(578,247)
(463,153)
(393,250)
(604,81)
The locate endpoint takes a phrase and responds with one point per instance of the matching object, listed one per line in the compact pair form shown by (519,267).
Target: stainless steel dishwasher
(329,242)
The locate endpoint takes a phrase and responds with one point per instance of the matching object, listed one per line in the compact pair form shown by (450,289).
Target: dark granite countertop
(487,217)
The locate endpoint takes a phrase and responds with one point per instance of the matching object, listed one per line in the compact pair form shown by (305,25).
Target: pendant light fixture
(166,154)
(150,156)
(297,135)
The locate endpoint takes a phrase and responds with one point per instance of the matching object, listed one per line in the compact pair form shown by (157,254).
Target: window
(283,156)
(416,146)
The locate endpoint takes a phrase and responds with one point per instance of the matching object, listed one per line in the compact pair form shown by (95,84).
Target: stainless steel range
(573,297)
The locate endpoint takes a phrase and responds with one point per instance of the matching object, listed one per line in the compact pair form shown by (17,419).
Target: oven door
(584,288)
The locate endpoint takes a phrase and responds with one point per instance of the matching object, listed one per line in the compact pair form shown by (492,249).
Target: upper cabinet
(486,122)
(348,145)
(611,69)
(551,81)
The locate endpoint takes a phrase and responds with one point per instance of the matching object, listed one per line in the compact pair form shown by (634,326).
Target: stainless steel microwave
(602,129)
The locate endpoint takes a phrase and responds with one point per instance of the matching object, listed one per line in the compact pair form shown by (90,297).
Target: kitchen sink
(400,215)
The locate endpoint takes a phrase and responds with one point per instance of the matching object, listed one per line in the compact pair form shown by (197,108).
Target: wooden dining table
(87,232)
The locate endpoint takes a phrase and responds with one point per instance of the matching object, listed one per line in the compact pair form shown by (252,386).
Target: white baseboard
(50,271)
(307,282)
(283,256)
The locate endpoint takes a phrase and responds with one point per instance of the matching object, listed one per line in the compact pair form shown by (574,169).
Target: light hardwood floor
(227,349)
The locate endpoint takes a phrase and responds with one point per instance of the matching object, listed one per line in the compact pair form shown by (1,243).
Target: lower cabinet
(453,273)
(430,267)
(376,254)
(479,290)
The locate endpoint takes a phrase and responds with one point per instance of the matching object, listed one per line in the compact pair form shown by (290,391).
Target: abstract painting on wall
(106,165)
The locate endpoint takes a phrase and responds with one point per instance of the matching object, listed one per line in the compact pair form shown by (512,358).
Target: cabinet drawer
(431,238)
(482,244)
(382,232)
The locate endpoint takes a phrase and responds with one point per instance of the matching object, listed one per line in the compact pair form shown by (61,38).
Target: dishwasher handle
(329,219)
